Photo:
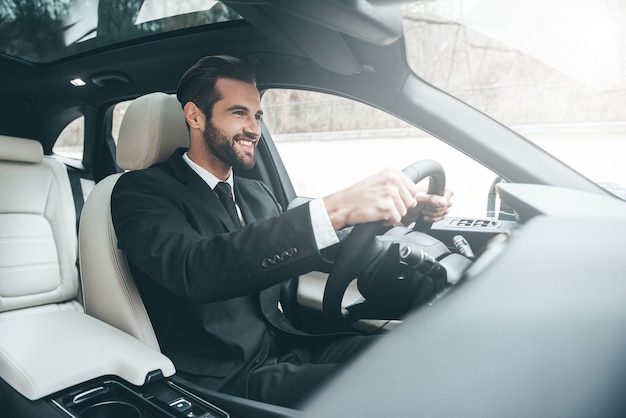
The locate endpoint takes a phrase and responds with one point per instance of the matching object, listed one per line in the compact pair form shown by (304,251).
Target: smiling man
(230,126)
(211,251)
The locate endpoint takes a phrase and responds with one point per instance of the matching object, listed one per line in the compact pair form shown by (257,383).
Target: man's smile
(246,142)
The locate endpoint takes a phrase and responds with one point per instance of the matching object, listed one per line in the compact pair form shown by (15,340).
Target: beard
(225,149)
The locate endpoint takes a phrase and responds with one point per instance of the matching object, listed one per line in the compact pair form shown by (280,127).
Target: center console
(67,364)
(112,397)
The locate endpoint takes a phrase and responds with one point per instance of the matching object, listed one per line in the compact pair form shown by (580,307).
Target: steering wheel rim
(361,243)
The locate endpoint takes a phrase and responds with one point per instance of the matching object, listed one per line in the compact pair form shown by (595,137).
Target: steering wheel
(361,244)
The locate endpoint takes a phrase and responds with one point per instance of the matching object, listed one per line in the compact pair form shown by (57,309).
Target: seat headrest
(153,127)
(21,150)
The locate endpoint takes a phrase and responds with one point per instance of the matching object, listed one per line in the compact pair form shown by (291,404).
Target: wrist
(336,213)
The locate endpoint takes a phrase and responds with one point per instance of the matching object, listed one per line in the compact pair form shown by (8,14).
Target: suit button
(292,251)
(266,263)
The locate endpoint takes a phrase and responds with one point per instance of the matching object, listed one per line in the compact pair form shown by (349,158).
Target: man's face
(234,129)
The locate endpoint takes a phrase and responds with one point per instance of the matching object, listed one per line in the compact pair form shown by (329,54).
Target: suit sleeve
(186,249)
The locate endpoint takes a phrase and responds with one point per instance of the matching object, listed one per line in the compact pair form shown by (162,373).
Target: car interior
(49,309)
(517,312)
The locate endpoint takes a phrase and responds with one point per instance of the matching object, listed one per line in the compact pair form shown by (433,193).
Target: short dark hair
(197,85)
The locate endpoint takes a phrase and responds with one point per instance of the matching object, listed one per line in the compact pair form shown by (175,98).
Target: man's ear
(194,116)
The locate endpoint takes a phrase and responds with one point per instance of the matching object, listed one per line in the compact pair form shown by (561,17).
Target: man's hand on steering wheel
(432,207)
(385,196)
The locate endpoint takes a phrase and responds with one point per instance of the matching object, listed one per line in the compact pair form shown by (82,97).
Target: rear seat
(38,243)
(47,342)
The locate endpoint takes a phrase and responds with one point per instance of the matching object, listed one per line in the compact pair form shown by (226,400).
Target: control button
(202,414)
(182,405)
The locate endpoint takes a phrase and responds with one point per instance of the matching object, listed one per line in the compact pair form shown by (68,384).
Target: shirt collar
(207,176)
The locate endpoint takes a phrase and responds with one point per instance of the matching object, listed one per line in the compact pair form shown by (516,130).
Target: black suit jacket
(211,290)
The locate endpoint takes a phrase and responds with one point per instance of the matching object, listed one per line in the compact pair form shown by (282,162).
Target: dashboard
(536,326)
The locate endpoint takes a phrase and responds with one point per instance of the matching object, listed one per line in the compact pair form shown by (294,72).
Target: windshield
(48,30)
(554,71)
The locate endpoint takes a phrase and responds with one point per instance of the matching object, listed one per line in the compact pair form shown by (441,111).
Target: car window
(118,114)
(71,141)
(554,80)
(328,142)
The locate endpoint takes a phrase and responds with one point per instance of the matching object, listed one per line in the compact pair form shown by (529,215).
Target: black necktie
(226,197)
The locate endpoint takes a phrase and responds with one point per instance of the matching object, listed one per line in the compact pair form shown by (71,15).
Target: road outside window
(328,142)
(71,141)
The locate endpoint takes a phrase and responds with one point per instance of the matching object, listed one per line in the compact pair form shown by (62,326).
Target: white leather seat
(47,343)
(152,128)
(37,232)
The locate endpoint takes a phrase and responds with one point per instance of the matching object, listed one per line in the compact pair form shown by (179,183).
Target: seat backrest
(37,231)
(152,128)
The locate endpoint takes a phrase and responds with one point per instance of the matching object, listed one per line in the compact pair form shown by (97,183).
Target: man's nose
(253,126)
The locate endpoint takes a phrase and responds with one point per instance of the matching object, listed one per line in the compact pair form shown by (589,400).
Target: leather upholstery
(152,128)
(38,245)
(58,350)
(47,343)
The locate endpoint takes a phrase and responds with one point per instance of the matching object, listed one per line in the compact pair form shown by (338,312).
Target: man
(211,281)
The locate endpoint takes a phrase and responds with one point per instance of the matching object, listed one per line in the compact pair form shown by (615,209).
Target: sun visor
(319,28)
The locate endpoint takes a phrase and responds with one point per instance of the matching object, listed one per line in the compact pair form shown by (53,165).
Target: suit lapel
(246,210)
(199,189)
(255,200)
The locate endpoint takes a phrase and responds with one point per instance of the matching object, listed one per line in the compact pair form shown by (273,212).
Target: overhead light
(78,82)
